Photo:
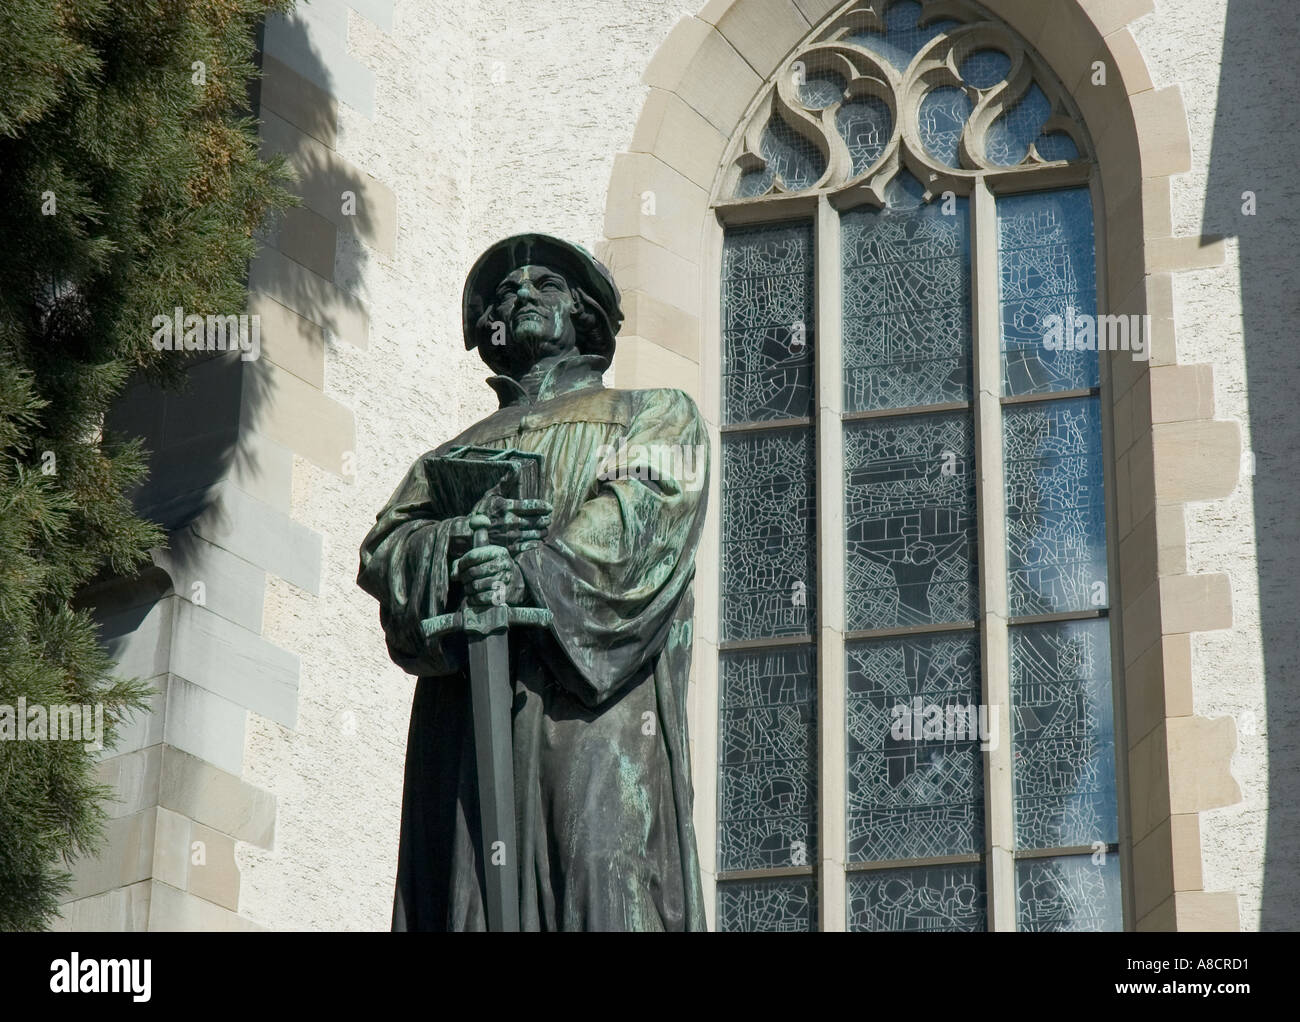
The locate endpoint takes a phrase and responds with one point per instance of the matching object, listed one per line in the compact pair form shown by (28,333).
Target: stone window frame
(663,241)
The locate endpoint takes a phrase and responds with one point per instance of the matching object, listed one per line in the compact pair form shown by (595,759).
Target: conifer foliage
(130,184)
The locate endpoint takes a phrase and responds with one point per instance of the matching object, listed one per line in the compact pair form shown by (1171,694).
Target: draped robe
(602,774)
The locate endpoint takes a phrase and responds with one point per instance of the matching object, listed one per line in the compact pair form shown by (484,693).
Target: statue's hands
(489,575)
(517,525)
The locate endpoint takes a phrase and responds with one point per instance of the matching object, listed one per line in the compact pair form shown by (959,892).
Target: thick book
(464,479)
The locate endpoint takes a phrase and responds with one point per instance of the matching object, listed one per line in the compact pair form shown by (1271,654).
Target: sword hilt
(484,621)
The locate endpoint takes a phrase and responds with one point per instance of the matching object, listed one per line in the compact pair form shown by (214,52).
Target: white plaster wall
(490,118)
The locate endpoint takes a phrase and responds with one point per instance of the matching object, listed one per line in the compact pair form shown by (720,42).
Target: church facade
(980,304)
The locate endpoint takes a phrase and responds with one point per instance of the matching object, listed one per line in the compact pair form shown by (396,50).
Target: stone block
(302,103)
(639,265)
(290,341)
(308,238)
(262,536)
(1181,393)
(674,133)
(171,853)
(1161,124)
(133,776)
(1195,460)
(174,911)
(126,856)
(322,178)
(121,910)
(1148,784)
(308,43)
(210,576)
(216,799)
(1111,15)
(310,296)
(662,324)
(642,363)
(1200,753)
(649,199)
(206,724)
(1163,919)
(216,877)
(1165,255)
(719,83)
(762,31)
(263,470)
(236,664)
(1207,912)
(1195,603)
(296,415)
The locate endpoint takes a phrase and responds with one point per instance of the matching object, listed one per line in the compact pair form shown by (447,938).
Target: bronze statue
(571,517)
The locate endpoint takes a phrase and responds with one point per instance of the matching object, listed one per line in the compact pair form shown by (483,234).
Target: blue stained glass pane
(767,906)
(797,161)
(1068,893)
(1063,735)
(926,898)
(1048,283)
(1056,522)
(767,322)
(1008,138)
(767,801)
(865,124)
(1056,146)
(906,295)
(909,496)
(821,89)
(753,183)
(985,68)
(942,118)
(768,527)
(915,769)
(903,37)
(790,156)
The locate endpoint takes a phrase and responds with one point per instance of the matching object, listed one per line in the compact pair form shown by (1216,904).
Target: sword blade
(489,675)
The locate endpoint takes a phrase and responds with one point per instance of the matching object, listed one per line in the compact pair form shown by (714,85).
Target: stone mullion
(832,839)
(990,498)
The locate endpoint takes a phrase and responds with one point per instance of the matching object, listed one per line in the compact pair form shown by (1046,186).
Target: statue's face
(536,307)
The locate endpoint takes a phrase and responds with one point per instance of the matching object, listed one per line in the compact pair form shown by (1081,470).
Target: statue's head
(532,297)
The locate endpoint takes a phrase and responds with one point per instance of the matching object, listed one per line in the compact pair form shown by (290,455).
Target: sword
(487,632)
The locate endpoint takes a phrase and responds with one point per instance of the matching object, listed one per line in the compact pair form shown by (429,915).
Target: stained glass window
(1069,893)
(767,760)
(934,898)
(910,514)
(1048,275)
(767,322)
(773,906)
(1056,512)
(943,118)
(907,302)
(1062,702)
(767,807)
(1063,735)
(915,774)
(917,605)
(865,124)
(904,36)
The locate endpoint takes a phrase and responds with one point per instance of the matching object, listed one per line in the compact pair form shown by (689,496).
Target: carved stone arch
(663,242)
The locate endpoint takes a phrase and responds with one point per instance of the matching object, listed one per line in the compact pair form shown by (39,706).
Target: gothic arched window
(915,677)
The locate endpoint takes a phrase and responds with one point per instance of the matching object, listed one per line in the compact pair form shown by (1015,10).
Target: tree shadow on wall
(206,436)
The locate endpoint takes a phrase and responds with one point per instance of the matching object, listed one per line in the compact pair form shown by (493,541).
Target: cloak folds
(602,775)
